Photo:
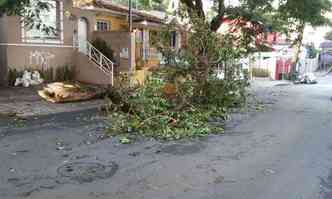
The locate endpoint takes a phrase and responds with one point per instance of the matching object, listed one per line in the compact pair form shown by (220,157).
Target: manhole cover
(84,172)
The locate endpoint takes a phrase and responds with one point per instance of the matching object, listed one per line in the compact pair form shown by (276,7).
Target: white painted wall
(315,35)
(266,60)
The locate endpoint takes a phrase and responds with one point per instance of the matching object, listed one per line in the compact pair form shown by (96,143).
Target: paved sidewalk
(25,102)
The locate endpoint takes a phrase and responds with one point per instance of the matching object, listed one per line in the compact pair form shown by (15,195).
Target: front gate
(283,68)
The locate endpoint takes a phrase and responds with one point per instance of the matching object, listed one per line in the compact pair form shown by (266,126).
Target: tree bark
(195,9)
(218,20)
(297,46)
(200,75)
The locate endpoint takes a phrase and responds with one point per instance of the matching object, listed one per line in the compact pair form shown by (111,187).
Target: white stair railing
(150,53)
(104,64)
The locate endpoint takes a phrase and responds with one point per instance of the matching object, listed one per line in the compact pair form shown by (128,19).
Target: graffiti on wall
(41,58)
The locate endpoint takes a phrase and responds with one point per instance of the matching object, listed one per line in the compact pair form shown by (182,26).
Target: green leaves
(306,11)
(31,11)
(2,2)
(179,101)
(125,140)
(152,114)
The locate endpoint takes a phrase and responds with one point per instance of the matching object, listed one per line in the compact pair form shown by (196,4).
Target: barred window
(103,26)
(53,18)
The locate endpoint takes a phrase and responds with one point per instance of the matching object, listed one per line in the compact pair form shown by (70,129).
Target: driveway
(284,151)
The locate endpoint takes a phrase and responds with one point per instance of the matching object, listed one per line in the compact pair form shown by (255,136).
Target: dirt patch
(284,84)
(183,148)
(71,173)
(238,133)
(87,172)
(25,186)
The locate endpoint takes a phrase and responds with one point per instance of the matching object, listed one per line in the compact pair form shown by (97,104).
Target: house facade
(77,26)
(30,48)
(21,48)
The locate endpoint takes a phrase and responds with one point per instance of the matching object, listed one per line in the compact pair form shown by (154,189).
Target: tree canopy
(296,14)
(249,10)
(305,11)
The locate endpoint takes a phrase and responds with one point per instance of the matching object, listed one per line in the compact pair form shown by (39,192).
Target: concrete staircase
(92,66)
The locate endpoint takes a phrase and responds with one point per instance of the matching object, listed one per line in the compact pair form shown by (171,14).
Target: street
(283,152)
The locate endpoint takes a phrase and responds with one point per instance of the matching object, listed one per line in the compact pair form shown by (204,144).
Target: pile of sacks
(29,79)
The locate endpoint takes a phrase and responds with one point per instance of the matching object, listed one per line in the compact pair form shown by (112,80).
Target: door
(82,35)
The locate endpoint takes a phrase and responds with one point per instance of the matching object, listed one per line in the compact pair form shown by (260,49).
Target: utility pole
(130,51)
(130,17)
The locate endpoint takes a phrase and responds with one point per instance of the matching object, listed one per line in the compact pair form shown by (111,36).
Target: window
(103,26)
(173,39)
(52,18)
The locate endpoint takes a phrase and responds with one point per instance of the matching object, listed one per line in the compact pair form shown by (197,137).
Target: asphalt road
(283,152)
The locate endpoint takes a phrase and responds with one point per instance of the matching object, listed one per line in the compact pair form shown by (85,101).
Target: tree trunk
(297,46)
(201,74)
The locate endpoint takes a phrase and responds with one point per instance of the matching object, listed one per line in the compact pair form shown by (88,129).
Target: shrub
(12,75)
(150,111)
(260,72)
(58,74)
(180,100)
(104,48)
(47,74)
(64,73)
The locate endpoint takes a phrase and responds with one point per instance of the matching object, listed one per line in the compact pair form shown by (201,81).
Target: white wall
(266,60)
(315,35)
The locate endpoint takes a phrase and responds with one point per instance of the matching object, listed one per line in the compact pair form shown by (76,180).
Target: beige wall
(21,55)
(3,51)
(3,65)
(37,57)
(87,72)
(118,41)
(3,29)
(14,53)
(14,31)
(88,15)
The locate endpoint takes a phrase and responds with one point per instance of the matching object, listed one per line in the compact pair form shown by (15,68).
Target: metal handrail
(150,53)
(104,63)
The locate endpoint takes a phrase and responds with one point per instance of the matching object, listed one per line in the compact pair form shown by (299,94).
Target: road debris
(60,92)
(269,172)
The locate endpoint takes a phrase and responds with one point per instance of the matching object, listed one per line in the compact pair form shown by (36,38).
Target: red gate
(283,68)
